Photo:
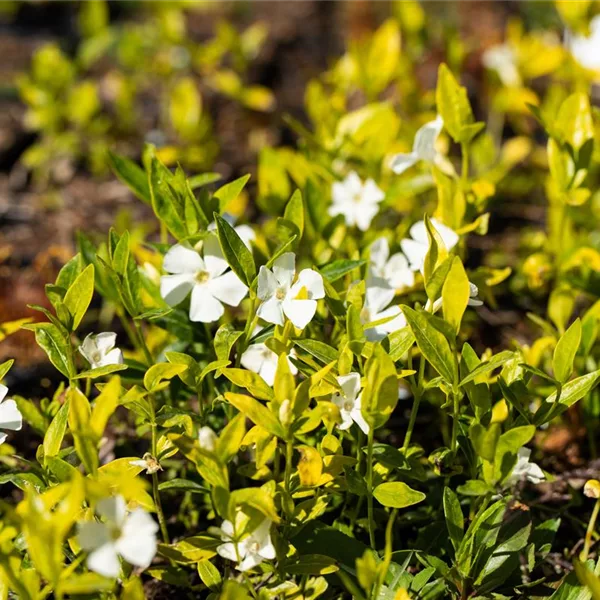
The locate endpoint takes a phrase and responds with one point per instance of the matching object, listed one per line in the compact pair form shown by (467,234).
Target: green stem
(155,491)
(455,411)
(142,343)
(370,488)
(289,453)
(589,532)
(465,162)
(418,394)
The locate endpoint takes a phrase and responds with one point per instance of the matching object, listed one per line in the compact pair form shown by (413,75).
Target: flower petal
(175,288)
(228,288)
(114,357)
(379,253)
(252,560)
(227,551)
(371,193)
(213,256)
(358,418)
(271,311)
(364,214)
(284,269)
(204,307)
(92,534)
(312,281)
(267,283)
(402,162)
(137,544)
(10,416)
(425,138)
(3,392)
(106,341)
(246,234)
(113,509)
(415,252)
(105,561)
(182,259)
(300,312)
(350,385)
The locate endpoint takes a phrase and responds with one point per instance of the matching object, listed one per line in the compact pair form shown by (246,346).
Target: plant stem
(455,411)
(289,453)
(589,532)
(142,343)
(155,492)
(370,488)
(465,162)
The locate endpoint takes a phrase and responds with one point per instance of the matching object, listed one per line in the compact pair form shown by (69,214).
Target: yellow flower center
(96,357)
(280,293)
(202,276)
(348,406)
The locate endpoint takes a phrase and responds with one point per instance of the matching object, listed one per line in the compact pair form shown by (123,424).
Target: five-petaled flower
(416,247)
(99,350)
(129,535)
(10,415)
(260,359)
(348,400)
(248,549)
(524,469)
(358,202)
(423,147)
(282,297)
(374,310)
(205,277)
(388,272)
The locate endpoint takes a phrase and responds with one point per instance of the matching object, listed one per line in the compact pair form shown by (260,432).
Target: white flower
(416,248)
(147,462)
(281,296)
(357,201)
(473,299)
(205,277)
(245,232)
(349,402)
(10,415)
(251,549)
(374,309)
(130,535)
(423,147)
(586,50)
(501,58)
(99,350)
(207,439)
(525,470)
(388,272)
(260,359)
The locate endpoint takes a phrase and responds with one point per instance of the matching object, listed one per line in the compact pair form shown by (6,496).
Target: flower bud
(286,416)
(592,489)
(207,439)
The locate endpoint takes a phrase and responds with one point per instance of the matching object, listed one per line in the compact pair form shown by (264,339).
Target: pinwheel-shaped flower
(524,469)
(357,201)
(282,297)
(205,277)
(130,535)
(416,248)
(99,350)
(349,402)
(251,549)
(423,147)
(10,415)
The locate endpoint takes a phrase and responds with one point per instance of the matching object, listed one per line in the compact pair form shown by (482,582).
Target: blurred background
(214,86)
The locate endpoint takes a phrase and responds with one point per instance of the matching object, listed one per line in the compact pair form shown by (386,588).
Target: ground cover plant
(285,389)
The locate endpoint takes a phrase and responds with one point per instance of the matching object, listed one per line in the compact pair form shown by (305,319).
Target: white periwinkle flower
(388,272)
(260,359)
(423,147)
(205,277)
(357,201)
(281,297)
(99,350)
(524,469)
(374,309)
(416,247)
(245,232)
(130,535)
(10,415)
(474,295)
(586,49)
(349,402)
(501,58)
(207,439)
(251,549)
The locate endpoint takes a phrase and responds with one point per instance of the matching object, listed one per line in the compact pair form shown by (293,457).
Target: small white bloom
(282,297)
(586,50)
(245,232)
(207,439)
(10,415)
(374,309)
(501,58)
(357,201)
(524,469)
(349,402)
(416,248)
(147,462)
(388,272)
(204,277)
(259,358)
(423,147)
(99,350)
(286,414)
(251,549)
(474,295)
(129,535)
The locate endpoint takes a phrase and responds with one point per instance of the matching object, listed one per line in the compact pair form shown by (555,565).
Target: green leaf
(400,342)
(338,268)
(489,365)
(80,426)
(5,368)
(294,212)
(311,564)
(253,382)
(588,578)
(396,494)
(156,376)
(100,371)
(230,191)
(383,56)
(455,294)
(225,338)
(235,251)
(564,353)
(56,431)
(380,394)
(576,389)
(454,517)
(105,405)
(132,175)
(167,207)
(209,574)
(453,104)
(84,584)
(183,485)
(320,350)
(432,343)
(56,346)
(257,413)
